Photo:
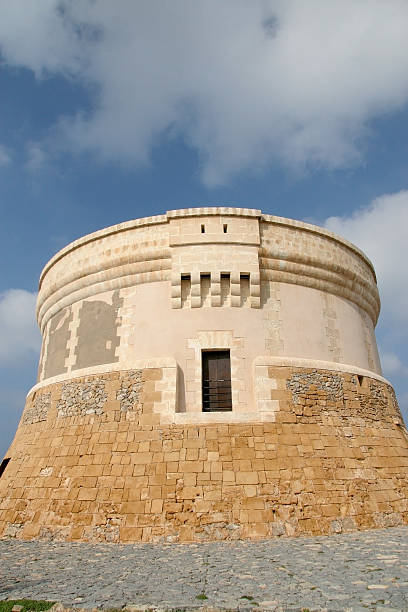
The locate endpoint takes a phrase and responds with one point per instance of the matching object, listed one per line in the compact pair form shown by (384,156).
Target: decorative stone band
(321,275)
(268,395)
(317,364)
(141,251)
(117,277)
(113,230)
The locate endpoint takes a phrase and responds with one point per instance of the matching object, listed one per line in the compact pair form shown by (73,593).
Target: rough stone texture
(332,461)
(129,393)
(300,383)
(13,529)
(376,401)
(82,398)
(36,409)
(314,393)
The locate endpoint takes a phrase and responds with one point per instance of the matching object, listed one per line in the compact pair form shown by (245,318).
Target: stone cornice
(132,252)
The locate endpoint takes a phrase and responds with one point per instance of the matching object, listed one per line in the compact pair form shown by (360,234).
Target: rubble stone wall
(36,410)
(102,464)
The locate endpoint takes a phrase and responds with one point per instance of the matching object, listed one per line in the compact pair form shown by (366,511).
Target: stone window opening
(360,380)
(225,227)
(202,228)
(3,465)
(216,381)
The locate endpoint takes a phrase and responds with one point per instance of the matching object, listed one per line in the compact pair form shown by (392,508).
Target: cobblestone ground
(358,571)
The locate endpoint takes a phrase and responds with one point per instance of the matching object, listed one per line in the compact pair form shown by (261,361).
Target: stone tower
(210,373)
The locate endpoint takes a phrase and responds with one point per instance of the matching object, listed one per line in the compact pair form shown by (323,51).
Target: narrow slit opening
(202,228)
(225,227)
(3,465)
(360,380)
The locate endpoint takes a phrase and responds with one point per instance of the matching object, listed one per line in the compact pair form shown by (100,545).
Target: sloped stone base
(93,461)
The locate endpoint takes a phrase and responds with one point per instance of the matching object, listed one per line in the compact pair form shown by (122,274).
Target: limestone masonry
(211,373)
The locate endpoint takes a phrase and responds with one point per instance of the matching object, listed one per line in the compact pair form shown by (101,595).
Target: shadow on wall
(181,391)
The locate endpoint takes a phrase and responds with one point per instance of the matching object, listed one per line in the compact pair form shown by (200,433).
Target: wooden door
(216,381)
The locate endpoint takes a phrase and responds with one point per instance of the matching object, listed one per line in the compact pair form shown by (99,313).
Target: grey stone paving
(355,572)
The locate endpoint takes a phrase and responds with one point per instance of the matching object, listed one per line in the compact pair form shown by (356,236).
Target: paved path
(359,571)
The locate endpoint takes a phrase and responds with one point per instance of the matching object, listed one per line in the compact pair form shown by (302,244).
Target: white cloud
(392,365)
(39,35)
(380,230)
(245,83)
(4,156)
(36,157)
(19,333)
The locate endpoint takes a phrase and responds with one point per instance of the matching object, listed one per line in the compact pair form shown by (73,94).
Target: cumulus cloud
(19,333)
(392,365)
(380,230)
(244,83)
(4,156)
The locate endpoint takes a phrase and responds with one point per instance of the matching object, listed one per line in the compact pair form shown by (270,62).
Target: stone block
(130,534)
(190,493)
(87,493)
(191,466)
(247,478)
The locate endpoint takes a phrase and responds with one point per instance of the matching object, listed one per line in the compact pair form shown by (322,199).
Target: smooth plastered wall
(174,285)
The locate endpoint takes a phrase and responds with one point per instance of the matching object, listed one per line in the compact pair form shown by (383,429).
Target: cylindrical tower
(211,373)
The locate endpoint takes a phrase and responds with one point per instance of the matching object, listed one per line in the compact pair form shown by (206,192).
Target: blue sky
(299,109)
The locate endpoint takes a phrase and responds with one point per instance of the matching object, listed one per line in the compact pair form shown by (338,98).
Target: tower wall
(113,442)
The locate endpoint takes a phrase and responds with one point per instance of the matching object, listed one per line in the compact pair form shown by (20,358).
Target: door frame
(205,360)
